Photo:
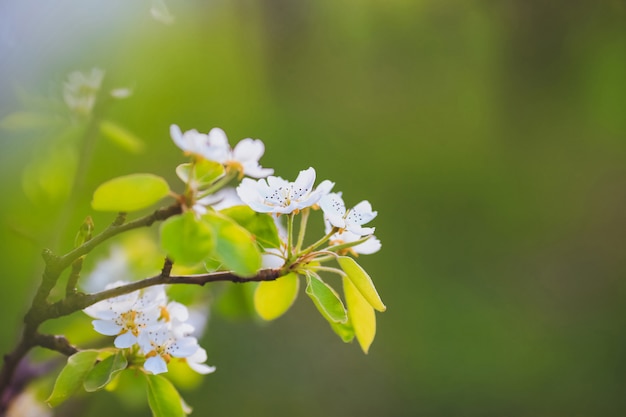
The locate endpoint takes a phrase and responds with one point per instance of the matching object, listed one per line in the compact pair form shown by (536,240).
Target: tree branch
(78,302)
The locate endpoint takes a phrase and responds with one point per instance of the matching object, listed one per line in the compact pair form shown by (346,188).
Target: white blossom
(214,146)
(81,88)
(196,362)
(276,195)
(370,246)
(336,214)
(126,316)
(160,344)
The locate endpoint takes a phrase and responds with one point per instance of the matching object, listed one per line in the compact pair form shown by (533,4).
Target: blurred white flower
(80,90)
(214,146)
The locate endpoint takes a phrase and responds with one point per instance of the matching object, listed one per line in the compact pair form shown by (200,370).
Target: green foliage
(121,137)
(71,377)
(163,398)
(326,300)
(272,299)
(129,193)
(361,315)
(235,246)
(261,225)
(104,371)
(186,239)
(199,173)
(361,281)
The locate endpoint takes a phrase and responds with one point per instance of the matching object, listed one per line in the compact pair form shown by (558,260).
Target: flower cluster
(275,195)
(157,326)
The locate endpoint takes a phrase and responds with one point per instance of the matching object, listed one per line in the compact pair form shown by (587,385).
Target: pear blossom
(336,214)
(224,198)
(126,316)
(191,142)
(80,90)
(196,362)
(214,146)
(276,195)
(370,246)
(160,345)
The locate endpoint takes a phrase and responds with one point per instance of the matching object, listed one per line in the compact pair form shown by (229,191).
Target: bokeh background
(490,136)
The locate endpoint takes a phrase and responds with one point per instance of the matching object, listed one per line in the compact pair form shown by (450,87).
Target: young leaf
(104,371)
(361,315)
(361,281)
(187,240)
(326,300)
(273,298)
(344,330)
(261,225)
(72,376)
(129,193)
(121,137)
(235,246)
(204,172)
(163,398)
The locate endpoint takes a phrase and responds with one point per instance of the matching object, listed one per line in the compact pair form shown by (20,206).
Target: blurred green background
(490,136)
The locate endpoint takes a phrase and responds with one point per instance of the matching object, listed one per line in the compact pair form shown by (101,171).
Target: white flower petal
(303,185)
(370,246)
(155,364)
(201,368)
(334,209)
(125,340)
(184,347)
(106,327)
(248,150)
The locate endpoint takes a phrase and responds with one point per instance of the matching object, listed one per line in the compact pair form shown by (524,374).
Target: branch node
(167,268)
(120,219)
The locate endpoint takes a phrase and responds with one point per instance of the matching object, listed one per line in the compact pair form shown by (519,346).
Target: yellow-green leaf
(104,371)
(163,399)
(235,247)
(200,172)
(361,315)
(129,193)
(361,281)
(326,300)
(273,298)
(187,240)
(261,225)
(121,137)
(71,377)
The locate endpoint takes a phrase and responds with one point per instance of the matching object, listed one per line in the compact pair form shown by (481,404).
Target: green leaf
(261,225)
(129,193)
(361,315)
(236,302)
(104,371)
(273,298)
(121,137)
(163,398)
(71,377)
(235,246)
(344,330)
(201,172)
(361,281)
(186,239)
(326,300)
